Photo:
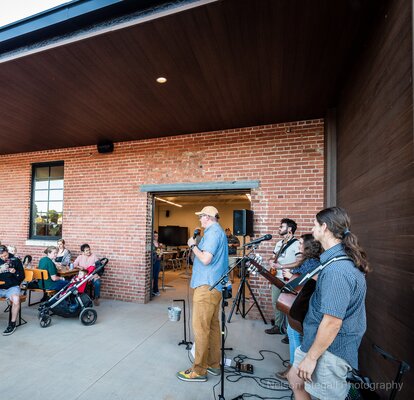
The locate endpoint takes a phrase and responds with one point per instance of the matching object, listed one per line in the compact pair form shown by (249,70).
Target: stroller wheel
(45,321)
(88,316)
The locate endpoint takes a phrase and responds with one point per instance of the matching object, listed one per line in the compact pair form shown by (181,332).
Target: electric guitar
(293,303)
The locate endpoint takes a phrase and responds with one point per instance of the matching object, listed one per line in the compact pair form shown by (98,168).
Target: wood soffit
(229,64)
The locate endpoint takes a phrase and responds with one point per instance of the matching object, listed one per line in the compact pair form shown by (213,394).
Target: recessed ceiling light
(161,79)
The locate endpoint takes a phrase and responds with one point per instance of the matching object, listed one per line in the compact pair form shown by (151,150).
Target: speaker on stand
(243,222)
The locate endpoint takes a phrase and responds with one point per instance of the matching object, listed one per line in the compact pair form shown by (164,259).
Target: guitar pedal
(247,368)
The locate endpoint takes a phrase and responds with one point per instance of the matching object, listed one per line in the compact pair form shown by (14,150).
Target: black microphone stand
(241,293)
(223,280)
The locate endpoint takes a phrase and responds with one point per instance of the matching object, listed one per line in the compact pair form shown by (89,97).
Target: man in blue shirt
(210,263)
(336,320)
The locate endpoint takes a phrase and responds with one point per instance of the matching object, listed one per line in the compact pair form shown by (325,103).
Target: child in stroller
(71,301)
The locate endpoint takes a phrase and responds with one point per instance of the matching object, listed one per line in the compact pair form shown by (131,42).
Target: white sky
(14,10)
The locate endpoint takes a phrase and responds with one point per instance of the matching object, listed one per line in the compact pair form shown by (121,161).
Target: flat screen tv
(173,235)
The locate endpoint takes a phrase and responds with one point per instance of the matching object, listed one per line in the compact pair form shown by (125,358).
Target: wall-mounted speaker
(243,222)
(105,147)
(167,213)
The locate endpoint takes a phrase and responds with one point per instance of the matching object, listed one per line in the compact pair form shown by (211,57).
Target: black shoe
(10,329)
(273,331)
(285,340)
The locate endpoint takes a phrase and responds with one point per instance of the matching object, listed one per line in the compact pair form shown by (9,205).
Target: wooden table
(163,262)
(68,273)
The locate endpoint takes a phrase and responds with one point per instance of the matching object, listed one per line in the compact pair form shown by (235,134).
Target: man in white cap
(211,261)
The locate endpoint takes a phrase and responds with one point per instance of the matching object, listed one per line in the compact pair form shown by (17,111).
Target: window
(47,201)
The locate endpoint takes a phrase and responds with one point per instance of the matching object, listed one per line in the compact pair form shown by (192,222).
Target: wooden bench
(28,277)
(40,275)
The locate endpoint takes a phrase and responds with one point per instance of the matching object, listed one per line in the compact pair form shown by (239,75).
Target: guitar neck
(266,274)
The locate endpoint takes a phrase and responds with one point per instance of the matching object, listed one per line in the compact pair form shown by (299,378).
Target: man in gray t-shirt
(286,251)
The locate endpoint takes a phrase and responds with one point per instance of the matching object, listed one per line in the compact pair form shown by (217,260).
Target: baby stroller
(71,302)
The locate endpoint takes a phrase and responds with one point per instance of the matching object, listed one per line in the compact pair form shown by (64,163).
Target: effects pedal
(247,368)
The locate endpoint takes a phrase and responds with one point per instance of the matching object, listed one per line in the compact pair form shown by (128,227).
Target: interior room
(175,221)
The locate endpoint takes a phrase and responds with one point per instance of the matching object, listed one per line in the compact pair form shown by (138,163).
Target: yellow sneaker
(190,376)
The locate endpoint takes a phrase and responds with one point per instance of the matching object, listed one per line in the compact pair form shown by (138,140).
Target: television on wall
(173,235)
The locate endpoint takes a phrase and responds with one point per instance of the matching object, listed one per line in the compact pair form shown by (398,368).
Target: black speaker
(167,213)
(105,147)
(243,222)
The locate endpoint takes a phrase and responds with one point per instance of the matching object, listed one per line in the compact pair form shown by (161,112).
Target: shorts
(7,293)
(328,378)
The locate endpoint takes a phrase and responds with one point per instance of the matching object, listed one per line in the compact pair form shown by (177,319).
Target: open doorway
(175,221)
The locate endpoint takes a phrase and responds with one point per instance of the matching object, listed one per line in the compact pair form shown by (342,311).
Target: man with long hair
(336,320)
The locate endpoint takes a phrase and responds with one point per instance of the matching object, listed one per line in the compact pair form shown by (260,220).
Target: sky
(14,10)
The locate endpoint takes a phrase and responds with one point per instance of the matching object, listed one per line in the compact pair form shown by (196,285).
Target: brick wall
(104,207)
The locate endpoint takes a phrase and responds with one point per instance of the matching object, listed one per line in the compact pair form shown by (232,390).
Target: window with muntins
(47,201)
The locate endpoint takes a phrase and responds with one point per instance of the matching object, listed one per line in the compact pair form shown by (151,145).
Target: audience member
(336,319)
(53,281)
(63,255)
(197,237)
(233,243)
(13,251)
(156,263)
(83,261)
(12,274)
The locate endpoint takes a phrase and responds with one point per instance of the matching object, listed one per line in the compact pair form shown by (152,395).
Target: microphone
(195,234)
(258,240)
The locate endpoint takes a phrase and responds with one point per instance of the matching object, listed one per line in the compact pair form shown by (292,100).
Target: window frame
(32,235)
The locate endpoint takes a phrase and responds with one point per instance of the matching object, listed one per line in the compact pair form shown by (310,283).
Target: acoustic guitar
(293,303)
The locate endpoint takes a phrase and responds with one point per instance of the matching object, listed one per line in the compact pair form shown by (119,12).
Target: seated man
(85,260)
(12,274)
(233,243)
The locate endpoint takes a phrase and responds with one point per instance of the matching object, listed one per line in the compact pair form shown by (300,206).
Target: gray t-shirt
(287,256)
(340,292)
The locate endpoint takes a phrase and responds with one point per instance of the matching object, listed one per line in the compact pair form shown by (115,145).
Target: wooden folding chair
(40,275)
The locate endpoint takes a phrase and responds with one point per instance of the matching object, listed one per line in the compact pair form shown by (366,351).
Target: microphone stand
(241,293)
(222,280)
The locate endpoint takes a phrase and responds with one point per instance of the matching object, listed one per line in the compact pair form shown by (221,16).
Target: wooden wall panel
(375,184)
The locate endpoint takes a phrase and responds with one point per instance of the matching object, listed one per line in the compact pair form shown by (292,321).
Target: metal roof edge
(198,186)
(20,46)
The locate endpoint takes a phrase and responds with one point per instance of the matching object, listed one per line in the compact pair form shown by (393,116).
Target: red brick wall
(104,207)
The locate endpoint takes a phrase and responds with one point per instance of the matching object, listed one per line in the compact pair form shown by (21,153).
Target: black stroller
(70,303)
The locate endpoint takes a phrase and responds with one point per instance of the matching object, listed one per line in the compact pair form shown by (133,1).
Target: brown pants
(206,326)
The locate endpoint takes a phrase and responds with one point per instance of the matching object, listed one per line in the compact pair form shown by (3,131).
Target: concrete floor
(131,352)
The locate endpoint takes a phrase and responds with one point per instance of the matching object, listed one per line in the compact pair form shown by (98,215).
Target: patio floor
(131,352)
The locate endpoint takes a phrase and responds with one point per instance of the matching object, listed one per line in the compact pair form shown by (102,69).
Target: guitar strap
(301,280)
(283,248)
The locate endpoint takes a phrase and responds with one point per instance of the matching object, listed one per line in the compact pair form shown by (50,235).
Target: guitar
(294,304)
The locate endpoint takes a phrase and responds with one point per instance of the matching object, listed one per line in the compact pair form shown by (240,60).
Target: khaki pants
(206,326)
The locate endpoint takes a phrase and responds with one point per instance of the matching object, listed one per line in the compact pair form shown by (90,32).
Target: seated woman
(53,282)
(63,255)
(85,260)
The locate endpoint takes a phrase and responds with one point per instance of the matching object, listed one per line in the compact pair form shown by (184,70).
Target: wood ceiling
(230,63)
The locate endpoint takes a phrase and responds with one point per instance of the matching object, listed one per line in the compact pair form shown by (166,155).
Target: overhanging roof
(230,63)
